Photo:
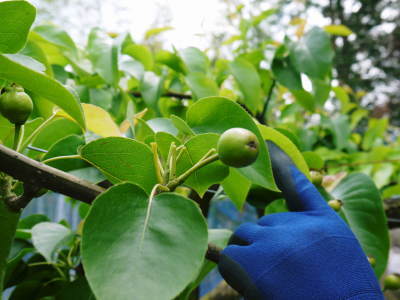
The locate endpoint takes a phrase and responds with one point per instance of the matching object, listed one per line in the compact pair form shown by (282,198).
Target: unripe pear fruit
(392,282)
(335,204)
(16,105)
(316,177)
(238,147)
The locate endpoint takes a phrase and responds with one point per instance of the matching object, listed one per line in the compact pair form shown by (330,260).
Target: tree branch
(166,94)
(261,117)
(34,173)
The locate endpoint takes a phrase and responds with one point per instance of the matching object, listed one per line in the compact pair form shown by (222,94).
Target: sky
(193,20)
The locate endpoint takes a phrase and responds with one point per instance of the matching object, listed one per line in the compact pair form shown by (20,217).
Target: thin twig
(261,117)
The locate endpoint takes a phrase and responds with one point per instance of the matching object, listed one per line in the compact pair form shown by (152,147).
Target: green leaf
(103,53)
(141,53)
(129,242)
(52,133)
(31,220)
(66,146)
(391,191)
(16,20)
(122,159)
(341,30)
(211,174)
(49,237)
(201,85)
(8,225)
(218,237)
(32,49)
(155,31)
(162,124)
(321,90)
(42,85)
(249,83)
(285,144)
(57,37)
(101,97)
(182,126)
(171,60)
(305,99)
(262,16)
(363,210)
(313,54)
(195,60)
(151,87)
(314,160)
(218,114)
(236,186)
(164,141)
(132,67)
(383,174)
(340,128)
(142,130)
(375,132)
(277,206)
(286,74)
(78,290)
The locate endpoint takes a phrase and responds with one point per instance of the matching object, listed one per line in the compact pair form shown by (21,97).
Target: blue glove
(307,253)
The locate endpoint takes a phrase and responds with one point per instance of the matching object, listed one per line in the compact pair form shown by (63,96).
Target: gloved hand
(307,253)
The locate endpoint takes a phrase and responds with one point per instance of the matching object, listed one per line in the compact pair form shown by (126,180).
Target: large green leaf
(42,85)
(122,159)
(48,237)
(133,247)
(213,173)
(249,83)
(195,60)
(103,53)
(363,210)
(16,20)
(218,114)
(201,85)
(313,54)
